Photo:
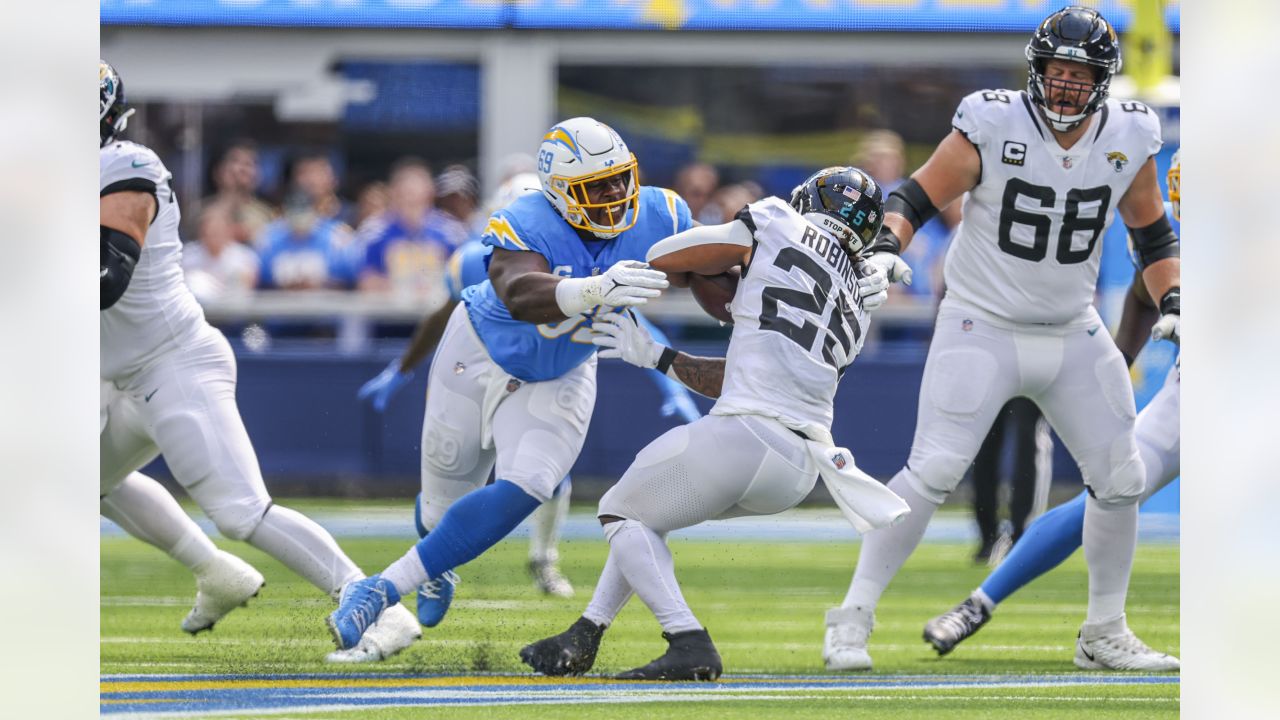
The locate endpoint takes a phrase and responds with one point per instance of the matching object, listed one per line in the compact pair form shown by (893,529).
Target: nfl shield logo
(1066,162)
(966,325)
(838,460)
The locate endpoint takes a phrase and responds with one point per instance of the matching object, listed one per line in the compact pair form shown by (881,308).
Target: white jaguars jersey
(157,312)
(1028,250)
(798,323)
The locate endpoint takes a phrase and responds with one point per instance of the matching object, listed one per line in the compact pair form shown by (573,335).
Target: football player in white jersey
(1043,170)
(800,317)
(1057,534)
(168,386)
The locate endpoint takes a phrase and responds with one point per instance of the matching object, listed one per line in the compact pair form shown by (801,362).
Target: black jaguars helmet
(1078,34)
(112,112)
(845,201)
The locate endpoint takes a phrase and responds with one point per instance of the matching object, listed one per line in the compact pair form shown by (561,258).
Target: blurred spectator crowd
(395,236)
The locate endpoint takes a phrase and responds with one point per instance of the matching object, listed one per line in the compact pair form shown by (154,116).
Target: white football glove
(895,268)
(873,285)
(1168,327)
(628,282)
(620,337)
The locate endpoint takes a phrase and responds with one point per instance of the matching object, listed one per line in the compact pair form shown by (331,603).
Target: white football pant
(1075,374)
(718,466)
(477,415)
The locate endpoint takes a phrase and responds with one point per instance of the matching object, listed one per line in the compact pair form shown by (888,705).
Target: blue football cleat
(435,596)
(359,606)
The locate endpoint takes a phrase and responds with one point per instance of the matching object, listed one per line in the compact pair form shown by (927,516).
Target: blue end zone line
(761,681)
(336,697)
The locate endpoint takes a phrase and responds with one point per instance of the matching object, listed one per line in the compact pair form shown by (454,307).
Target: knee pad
(612,528)
(1122,479)
(936,474)
(609,505)
(237,522)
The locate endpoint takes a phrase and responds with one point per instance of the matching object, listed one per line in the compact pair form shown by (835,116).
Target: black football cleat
(951,628)
(572,652)
(690,655)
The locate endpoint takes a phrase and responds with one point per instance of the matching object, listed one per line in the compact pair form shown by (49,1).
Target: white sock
(547,521)
(305,548)
(982,598)
(1110,539)
(407,573)
(886,549)
(611,595)
(145,510)
(645,561)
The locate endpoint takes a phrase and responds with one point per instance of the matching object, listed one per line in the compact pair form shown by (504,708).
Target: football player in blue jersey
(512,384)
(469,266)
(1057,534)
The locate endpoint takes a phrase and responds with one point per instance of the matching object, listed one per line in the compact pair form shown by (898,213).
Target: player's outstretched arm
(1156,247)
(704,250)
(524,282)
(952,170)
(621,337)
(123,221)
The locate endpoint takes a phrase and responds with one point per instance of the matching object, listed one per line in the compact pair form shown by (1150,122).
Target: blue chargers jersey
(468,265)
(531,224)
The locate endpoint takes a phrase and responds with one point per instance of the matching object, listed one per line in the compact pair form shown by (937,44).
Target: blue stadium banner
(754,15)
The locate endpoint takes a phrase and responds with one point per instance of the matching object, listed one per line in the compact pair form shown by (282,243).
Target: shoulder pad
(758,215)
(673,207)
(122,162)
(1138,123)
(982,109)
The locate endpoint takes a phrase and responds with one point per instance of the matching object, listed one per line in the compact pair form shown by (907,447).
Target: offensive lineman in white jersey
(1043,170)
(168,386)
(800,317)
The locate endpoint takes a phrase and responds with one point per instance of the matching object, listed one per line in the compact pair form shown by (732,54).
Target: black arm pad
(886,241)
(1171,303)
(119,255)
(1154,242)
(911,202)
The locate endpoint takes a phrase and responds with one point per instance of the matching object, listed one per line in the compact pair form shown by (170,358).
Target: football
(715,292)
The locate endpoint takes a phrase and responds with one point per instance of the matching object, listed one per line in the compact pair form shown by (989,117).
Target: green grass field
(763,604)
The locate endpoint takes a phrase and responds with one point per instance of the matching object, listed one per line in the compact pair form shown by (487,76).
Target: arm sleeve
(734,232)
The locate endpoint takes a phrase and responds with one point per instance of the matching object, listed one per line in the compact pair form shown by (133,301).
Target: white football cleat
(394,631)
(550,581)
(845,645)
(223,584)
(1113,646)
